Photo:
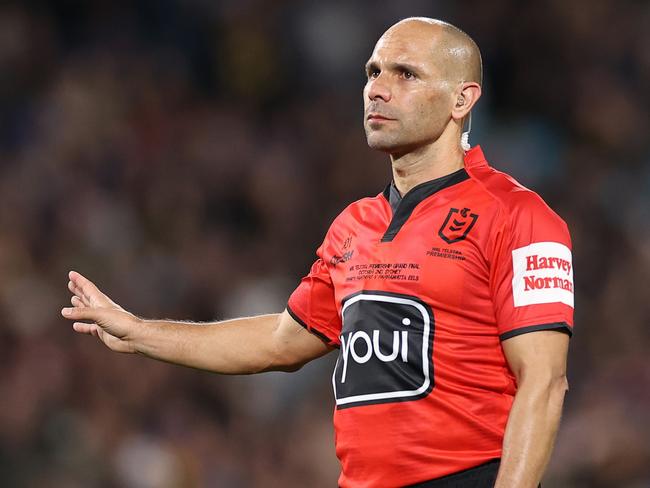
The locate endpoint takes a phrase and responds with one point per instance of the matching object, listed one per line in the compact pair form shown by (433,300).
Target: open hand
(109,322)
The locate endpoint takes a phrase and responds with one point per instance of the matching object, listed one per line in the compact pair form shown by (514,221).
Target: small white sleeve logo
(542,273)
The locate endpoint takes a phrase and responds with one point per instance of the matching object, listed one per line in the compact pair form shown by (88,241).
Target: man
(449,295)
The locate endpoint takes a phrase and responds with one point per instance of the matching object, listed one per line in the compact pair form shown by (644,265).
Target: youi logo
(386,350)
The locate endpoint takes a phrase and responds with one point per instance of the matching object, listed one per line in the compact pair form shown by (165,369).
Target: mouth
(377,117)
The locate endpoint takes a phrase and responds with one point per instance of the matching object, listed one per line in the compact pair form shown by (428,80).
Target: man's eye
(373,73)
(408,75)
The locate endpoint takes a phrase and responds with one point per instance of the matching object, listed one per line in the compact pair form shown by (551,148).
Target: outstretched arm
(274,342)
(538,360)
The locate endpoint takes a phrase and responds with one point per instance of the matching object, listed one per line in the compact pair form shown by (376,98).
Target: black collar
(403,206)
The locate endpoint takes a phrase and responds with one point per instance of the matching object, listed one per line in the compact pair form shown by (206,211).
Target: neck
(439,158)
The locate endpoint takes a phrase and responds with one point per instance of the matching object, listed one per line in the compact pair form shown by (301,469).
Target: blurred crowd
(188,157)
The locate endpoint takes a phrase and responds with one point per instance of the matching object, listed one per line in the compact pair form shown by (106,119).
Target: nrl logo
(457,225)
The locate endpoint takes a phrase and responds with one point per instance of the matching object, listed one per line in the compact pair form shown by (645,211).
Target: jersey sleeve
(313,305)
(532,270)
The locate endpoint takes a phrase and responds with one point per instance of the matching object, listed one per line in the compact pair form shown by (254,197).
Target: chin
(378,143)
(384,145)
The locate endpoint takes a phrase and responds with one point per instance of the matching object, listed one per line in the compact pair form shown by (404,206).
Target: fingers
(107,320)
(83,313)
(84,328)
(78,292)
(87,291)
(82,287)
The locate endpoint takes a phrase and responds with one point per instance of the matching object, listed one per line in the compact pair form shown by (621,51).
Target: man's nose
(378,88)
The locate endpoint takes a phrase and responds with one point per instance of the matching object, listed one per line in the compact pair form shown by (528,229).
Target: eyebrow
(394,67)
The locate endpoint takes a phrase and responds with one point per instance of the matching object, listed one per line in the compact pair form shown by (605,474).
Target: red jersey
(417,293)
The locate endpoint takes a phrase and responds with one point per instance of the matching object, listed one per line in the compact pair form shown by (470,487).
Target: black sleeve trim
(317,333)
(559,326)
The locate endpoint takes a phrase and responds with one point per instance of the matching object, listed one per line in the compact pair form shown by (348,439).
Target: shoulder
(362,209)
(517,203)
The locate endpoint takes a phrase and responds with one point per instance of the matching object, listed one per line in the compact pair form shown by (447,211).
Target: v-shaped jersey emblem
(457,225)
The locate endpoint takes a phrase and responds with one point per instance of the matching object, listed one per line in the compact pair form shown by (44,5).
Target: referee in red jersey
(448,296)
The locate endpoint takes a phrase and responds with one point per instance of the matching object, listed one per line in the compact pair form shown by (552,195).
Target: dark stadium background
(189,155)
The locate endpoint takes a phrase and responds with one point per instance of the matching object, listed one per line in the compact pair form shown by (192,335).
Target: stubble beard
(383,140)
(389,142)
(380,143)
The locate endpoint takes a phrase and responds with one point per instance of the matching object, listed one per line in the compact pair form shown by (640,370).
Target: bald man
(448,296)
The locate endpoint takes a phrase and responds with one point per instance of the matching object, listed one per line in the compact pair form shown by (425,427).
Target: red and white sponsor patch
(542,273)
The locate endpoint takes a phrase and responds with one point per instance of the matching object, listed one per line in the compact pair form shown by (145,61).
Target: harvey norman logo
(542,273)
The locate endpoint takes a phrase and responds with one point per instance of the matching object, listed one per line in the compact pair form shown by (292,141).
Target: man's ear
(467,95)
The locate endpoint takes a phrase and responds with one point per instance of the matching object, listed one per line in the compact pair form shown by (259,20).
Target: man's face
(407,98)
